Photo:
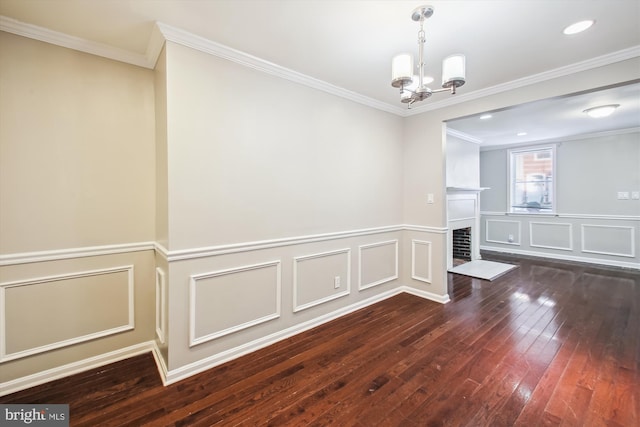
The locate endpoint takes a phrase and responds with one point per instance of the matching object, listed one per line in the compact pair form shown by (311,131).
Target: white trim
(186,254)
(163,31)
(46,35)
(426,229)
(83,252)
(442,299)
(600,61)
(385,279)
(564,257)
(463,136)
(570,248)
(161,304)
(632,240)
(73,368)
(130,325)
(414,276)
(577,137)
(204,252)
(193,340)
(204,45)
(299,307)
(486,232)
(567,215)
(202,365)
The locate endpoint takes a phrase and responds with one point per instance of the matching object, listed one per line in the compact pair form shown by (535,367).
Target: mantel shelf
(460,189)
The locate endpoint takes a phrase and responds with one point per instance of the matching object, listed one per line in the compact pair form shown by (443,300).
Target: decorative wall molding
(204,252)
(426,229)
(565,215)
(202,365)
(129,325)
(186,254)
(363,248)
(564,257)
(161,304)
(595,250)
(76,43)
(568,247)
(204,45)
(297,306)
(60,254)
(516,242)
(193,297)
(414,261)
(163,32)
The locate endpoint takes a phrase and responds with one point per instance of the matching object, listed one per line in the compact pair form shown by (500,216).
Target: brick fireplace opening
(461,245)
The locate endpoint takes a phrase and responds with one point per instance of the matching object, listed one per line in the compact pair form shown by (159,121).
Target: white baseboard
(38,378)
(442,299)
(175,375)
(564,257)
(186,371)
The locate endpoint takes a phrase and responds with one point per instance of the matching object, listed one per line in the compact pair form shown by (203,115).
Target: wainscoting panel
(421,268)
(378,263)
(503,231)
(550,235)
(215,298)
(161,304)
(608,240)
(321,277)
(602,239)
(63,310)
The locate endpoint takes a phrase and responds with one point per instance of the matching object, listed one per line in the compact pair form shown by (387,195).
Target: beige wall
(254,157)
(76,172)
(76,149)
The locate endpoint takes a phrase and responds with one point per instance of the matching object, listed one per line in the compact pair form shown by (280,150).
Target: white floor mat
(487,270)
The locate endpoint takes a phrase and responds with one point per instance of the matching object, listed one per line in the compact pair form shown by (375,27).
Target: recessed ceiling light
(485,116)
(578,27)
(521,133)
(601,111)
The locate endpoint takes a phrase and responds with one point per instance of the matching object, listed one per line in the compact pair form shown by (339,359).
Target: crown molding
(463,136)
(202,44)
(600,61)
(46,35)
(579,137)
(162,32)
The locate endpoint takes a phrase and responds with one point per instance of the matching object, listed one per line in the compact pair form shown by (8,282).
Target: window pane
(532,180)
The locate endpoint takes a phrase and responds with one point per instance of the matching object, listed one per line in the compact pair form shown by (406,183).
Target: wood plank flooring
(549,343)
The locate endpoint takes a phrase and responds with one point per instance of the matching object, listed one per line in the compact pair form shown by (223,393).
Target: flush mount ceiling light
(578,27)
(453,67)
(601,111)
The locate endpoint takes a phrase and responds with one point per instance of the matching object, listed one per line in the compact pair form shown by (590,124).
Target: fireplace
(463,223)
(461,245)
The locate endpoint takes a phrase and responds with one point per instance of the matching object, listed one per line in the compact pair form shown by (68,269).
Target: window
(532,185)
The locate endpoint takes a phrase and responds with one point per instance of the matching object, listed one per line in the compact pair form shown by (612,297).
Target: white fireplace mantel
(463,211)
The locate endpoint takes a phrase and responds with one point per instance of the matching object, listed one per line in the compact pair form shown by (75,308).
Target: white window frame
(511,178)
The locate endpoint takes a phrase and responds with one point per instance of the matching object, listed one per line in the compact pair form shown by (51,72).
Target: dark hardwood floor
(549,343)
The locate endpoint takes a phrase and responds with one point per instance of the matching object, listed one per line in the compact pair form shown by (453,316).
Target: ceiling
(349,43)
(552,119)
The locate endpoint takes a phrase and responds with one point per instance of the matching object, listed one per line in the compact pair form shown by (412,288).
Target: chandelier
(453,68)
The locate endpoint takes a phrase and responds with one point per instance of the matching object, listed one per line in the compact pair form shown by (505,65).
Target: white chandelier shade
(402,68)
(453,70)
